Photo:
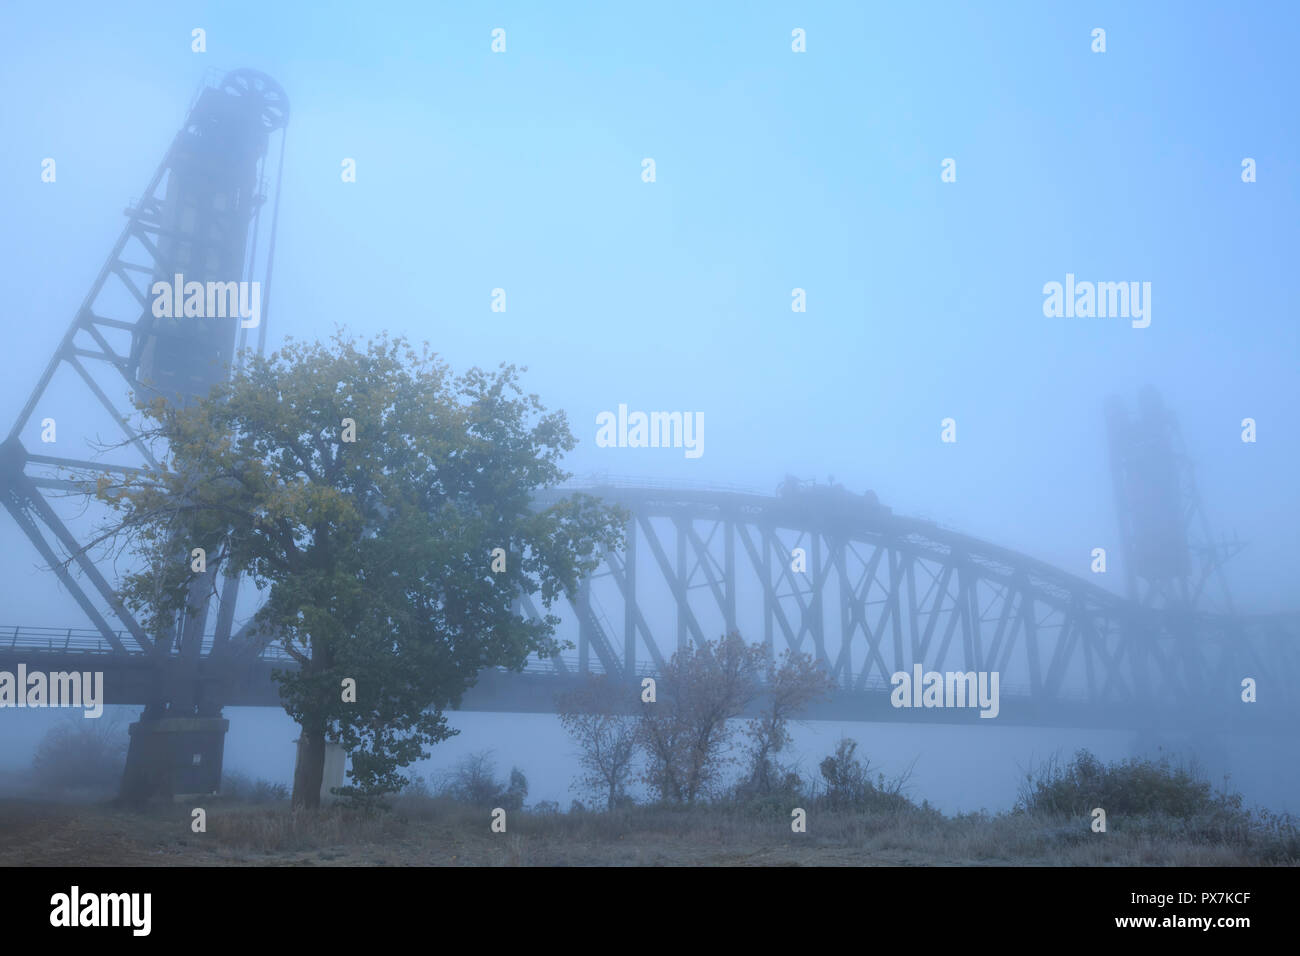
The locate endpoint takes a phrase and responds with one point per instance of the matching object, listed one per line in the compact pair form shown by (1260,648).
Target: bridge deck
(129,678)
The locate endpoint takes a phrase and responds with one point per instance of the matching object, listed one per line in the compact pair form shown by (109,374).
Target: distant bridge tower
(198,218)
(1171,559)
(202,220)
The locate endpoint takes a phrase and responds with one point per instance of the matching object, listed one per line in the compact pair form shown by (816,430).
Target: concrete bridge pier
(172,757)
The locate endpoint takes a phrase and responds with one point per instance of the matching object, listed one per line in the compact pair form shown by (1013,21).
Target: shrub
(81,754)
(417,786)
(240,787)
(1133,787)
(512,798)
(473,781)
(849,785)
(847,781)
(1168,802)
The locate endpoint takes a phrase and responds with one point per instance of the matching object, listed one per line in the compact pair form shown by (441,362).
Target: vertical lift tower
(1171,560)
(197,218)
(1173,565)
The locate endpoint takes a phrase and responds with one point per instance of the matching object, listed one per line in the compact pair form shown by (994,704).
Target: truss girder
(903,592)
(908,594)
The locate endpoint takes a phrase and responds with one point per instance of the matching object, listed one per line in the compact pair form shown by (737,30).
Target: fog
(822,172)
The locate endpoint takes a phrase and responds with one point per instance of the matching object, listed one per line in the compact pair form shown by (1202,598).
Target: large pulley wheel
(274,104)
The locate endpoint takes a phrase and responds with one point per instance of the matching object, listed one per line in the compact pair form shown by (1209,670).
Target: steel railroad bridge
(813,567)
(881,594)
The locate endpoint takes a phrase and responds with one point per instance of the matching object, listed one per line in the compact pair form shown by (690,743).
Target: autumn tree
(685,732)
(363,488)
(600,717)
(793,681)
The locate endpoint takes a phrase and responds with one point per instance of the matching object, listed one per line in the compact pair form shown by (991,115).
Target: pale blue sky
(775,170)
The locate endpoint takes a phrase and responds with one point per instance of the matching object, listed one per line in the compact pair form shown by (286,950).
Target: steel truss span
(878,594)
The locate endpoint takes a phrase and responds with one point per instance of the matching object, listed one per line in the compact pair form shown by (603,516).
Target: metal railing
(604,479)
(88,640)
(85,640)
(849,684)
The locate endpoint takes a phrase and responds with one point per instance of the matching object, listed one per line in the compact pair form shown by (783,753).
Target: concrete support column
(174,757)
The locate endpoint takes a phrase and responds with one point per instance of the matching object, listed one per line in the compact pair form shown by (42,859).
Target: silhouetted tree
(793,681)
(474,781)
(81,753)
(685,732)
(600,716)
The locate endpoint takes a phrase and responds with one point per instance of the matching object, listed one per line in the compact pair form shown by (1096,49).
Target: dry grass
(437,832)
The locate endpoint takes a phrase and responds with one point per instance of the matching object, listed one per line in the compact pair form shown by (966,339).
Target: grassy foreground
(434,831)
